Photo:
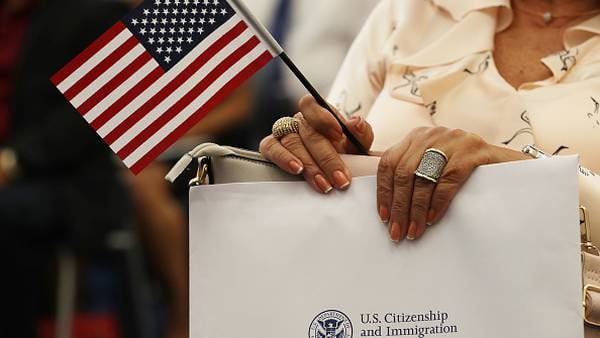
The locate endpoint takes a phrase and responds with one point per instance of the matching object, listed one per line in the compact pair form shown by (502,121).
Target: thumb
(363,132)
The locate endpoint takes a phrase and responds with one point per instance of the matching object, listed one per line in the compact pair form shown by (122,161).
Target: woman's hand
(410,203)
(314,151)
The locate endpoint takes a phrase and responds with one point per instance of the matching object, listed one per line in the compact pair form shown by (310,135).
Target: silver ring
(285,126)
(432,165)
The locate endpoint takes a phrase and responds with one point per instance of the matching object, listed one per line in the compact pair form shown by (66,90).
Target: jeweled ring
(432,165)
(285,126)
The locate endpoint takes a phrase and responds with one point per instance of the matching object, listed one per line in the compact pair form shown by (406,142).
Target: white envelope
(278,260)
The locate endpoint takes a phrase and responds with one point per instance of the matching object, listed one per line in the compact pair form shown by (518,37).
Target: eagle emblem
(330,324)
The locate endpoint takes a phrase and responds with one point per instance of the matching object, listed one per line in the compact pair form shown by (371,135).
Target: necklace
(549,16)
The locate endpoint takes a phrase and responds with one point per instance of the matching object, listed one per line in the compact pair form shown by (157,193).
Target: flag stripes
(117,85)
(252,68)
(88,53)
(136,135)
(137,107)
(127,98)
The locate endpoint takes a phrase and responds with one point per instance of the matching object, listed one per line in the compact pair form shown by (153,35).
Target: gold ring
(285,126)
(432,165)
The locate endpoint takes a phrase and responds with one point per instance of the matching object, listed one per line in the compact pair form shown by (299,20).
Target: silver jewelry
(432,165)
(285,126)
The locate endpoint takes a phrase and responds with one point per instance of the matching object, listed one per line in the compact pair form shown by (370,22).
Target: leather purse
(221,165)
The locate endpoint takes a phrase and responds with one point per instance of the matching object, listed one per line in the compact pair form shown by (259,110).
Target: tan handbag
(220,165)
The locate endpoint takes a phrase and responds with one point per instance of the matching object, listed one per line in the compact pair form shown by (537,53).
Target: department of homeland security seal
(330,324)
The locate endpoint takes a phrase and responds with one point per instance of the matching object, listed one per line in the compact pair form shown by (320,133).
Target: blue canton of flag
(170,29)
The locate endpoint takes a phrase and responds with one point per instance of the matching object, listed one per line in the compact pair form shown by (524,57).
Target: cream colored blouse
(430,62)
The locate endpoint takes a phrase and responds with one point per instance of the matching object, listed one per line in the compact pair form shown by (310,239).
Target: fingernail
(395,232)
(296,167)
(384,214)
(340,179)
(412,231)
(323,184)
(431,217)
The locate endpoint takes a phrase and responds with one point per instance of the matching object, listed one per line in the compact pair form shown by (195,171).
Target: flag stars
(172,27)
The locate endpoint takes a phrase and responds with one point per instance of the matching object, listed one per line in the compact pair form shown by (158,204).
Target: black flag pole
(276,50)
(321,101)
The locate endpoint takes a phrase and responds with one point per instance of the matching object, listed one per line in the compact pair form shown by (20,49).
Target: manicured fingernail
(296,167)
(395,232)
(323,184)
(431,217)
(384,214)
(412,231)
(340,179)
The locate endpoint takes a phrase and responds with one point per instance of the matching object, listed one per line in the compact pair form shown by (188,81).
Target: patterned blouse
(430,62)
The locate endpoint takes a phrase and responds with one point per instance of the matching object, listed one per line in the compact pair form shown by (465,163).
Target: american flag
(161,69)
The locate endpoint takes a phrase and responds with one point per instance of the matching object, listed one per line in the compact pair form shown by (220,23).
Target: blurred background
(86,248)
